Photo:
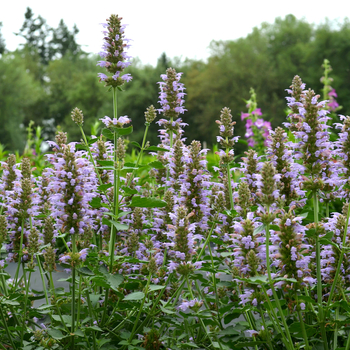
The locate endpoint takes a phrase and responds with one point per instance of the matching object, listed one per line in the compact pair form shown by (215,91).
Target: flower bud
(77,116)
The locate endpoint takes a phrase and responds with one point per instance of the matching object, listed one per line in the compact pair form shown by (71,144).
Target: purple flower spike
(115,59)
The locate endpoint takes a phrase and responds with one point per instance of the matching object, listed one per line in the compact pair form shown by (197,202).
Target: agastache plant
(257,129)
(162,252)
(115,57)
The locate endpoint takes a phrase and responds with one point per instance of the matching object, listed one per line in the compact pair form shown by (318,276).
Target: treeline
(50,74)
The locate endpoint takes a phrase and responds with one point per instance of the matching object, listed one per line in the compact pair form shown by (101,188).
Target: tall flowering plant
(250,257)
(257,129)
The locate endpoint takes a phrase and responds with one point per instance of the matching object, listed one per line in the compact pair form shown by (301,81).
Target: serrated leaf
(85,271)
(96,202)
(128,190)
(108,134)
(115,280)
(259,229)
(123,213)
(81,146)
(257,280)
(66,319)
(167,311)
(154,287)
(147,202)
(157,164)
(91,141)
(135,296)
(136,144)
(119,226)
(124,131)
(226,254)
(55,333)
(104,187)
(94,328)
(105,163)
(79,333)
(9,302)
(155,149)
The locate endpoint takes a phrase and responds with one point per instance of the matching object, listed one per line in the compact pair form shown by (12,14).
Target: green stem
(25,302)
(347,347)
(42,279)
(335,337)
(79,301)
(265,327)
(141,309)
(215,289)
(20,253)
(318,275)
(6,328)
(267,232)
(276,322)
(206,241)
(340,261)
(189,286)
(73,292)
(155,304)
(229,179)
(52,287)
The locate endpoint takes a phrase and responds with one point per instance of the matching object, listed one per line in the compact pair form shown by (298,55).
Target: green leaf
(147,202)
(81,146)
(94,328)
(105,163)
(108,134)
(303,215)
(79,333)
(135,296)
(257,280)
(153,287)
(91,141)
(115,281)
(226,254)
(124,131)
(9,302)
(155,149)
(96,202)
(129,190)
(124,213)
(104,187)
(85,271)
(55,333)
(66,319)
(190,344)
(248,344)
(259,229)
(118,226)
(167,311)
(157,165)
(136,144)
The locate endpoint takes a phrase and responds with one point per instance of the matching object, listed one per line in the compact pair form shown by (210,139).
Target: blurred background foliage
(48,76)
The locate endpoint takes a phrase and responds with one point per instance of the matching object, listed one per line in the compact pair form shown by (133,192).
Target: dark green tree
(2,41)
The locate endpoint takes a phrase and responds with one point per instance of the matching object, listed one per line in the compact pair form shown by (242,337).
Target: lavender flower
(114,54)
(171,94)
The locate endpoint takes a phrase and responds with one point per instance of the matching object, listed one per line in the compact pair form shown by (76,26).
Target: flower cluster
(115,57)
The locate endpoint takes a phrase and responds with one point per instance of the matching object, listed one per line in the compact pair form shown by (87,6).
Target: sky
(181,28)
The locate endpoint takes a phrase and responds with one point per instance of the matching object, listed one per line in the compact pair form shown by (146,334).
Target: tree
(45,41)
(2,41)
(18,92)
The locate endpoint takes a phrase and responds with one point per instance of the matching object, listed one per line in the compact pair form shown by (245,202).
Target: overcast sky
(181,28)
